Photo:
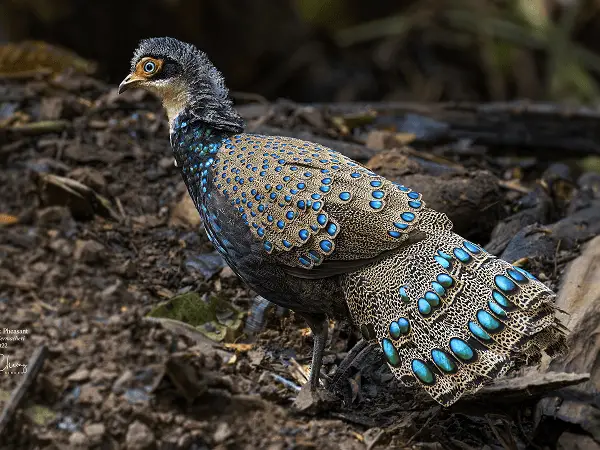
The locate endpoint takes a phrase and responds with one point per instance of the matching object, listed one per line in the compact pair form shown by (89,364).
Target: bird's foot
(311,400)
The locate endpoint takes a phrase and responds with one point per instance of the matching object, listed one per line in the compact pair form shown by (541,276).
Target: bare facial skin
(171,91)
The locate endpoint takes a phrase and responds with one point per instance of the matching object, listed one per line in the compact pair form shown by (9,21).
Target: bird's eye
(149,67)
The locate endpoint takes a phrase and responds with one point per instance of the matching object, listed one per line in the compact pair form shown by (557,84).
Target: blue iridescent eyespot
(414,204)
(487,321)
(375,204)
(378,194)
(407,216)
(286,244)
(438,288)
(502,300)
(394,330)
(314,255)
(413,195)
(400,225)
(395,234)
(290,215)
(332,229)
(444,255)
(461,255)
(517,276)
(442,262)
(355,175)
(424,307)
(445,280)
(443,361)
(403,294)
(496,308)
(303,234)
(260,232)
(345,196)
(375,183)
(280,224)
(422,372)
(432,298)
(390,352)
(471,247)
(268,246)
(505,284)
(326,245)
(404,325)
(304,261)
(462,350)
(478,331)
(322,219)
(527,274)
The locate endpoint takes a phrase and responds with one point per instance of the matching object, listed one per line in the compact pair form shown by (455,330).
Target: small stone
(139,437)
(78,439)
(97,375)
(95,432)
(53,215)
(226,272)
(222,433)
(165,163)
(184,213)
(89,251)
(90,394)
(122,382)
(79,375)
(90,177)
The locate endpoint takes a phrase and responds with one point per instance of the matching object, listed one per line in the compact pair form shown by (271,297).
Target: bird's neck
(195,145)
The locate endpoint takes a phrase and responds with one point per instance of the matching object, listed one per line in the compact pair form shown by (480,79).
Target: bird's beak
(131,80)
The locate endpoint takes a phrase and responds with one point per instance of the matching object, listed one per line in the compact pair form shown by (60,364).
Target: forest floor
(97,229)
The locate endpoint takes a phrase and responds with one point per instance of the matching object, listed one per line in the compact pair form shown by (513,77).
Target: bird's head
(185,80)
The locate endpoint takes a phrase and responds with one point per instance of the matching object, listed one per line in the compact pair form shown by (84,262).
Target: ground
(83,262)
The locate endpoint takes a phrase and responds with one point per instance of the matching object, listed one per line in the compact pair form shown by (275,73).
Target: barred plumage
(310,229)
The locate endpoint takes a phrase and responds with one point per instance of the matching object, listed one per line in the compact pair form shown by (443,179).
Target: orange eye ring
(148,67)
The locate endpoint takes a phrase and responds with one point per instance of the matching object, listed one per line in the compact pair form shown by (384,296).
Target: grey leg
(311,399)
(318,325)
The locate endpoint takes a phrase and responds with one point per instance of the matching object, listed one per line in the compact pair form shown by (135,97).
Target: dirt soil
(83,261)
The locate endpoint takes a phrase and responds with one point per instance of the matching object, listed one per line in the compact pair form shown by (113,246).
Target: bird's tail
(449,316)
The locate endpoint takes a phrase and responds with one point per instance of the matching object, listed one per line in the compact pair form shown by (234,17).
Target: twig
(34,365)
(556,258)
(120,208)
(513,186)
(502,441)
(435,413)
(375,440)
(525,435)
(41,127)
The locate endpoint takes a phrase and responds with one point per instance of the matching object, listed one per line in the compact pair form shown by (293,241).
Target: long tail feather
(450,316)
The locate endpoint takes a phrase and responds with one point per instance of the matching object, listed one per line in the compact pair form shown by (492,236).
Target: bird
(311,230)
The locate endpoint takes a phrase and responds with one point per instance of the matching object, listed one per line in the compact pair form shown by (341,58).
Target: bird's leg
(311,398)
(318,325)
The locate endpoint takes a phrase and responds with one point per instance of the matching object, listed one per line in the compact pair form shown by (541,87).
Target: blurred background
(339,50)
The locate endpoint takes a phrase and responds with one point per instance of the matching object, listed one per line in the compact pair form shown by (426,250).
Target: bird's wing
(316,212)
